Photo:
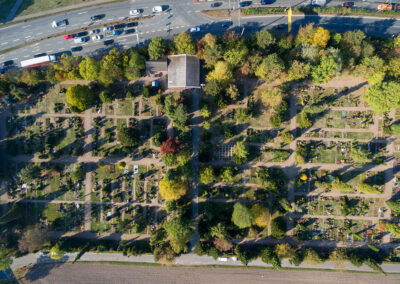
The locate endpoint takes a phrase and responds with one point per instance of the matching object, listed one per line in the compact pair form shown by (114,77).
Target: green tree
(321,37)
(236,55)
(261,216)
(157,48)
(287,137)
(106,97)
(360,156)
(394,205)
(111,67)
(5,259)
(269,256)
(213,88)
(383,97)
(228,174)
(265,39)
(219,231)
(342,186)
(179,117)
(172,190)
(89,69)
(205,111)
(221,73)
(240,153)
(271,68)
(206,175)
(325,71)
(303,121)
(31,77)
(135,65)
(78,173)
(212,54)
(298,71)
(79,97)
(233,92)
(179,233)
(272,97)
(29,173)
(311,257)
(367,188)
(241,216)
(128,136)
(393,228)
(184,44)
(56,252)
(278,227)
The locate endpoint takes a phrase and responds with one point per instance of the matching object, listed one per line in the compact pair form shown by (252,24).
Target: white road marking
(50,51)
(158,30)
(123,40)
(16,39)
(147,32)
(4,43)
(39,33)
(15,59)
(24,27)
(85,23)
(27,36)
(81,13)
(26,55)
(109,19)
(153,31)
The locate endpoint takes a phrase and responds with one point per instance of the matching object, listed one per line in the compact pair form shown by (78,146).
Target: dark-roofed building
(183,71)
(153,67)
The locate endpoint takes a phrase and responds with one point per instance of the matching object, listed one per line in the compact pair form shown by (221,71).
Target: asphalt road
(179,15)
(106,273)
(171,23)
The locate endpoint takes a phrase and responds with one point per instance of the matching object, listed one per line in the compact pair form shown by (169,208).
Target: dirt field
(106,273)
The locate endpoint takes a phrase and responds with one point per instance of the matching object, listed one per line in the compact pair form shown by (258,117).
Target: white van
(157,9)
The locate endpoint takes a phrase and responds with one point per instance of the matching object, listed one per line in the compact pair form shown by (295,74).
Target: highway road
(178,16)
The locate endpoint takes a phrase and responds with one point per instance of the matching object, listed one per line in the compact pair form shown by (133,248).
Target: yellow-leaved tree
(172,190)
(261,216)
(321,37)
(221,73)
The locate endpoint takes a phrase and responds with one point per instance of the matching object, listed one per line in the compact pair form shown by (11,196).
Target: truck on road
(388,7)
(38,61)
(61,23)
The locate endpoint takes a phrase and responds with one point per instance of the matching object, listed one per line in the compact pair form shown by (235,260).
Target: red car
(348,4)
(69,36)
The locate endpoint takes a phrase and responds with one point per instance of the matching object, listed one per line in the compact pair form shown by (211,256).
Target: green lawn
(359,135)
(50,213)
(125,107)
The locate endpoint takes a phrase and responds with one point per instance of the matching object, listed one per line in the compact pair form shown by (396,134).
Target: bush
(106,97)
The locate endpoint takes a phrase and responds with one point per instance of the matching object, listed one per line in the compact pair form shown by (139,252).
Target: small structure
(183,71)
(153,67)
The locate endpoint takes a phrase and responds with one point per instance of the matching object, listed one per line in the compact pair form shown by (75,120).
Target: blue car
(244,4)
(117,32)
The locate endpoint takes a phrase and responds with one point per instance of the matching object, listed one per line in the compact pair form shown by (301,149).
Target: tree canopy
(383,97)
(157,48)
(184,44)
(242,216)
(79,97)
(128,136)
(271,68)
(240,153)
(89,69)
(172,190)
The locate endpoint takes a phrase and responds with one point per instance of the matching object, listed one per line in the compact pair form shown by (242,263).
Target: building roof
(183,71)
(156,66)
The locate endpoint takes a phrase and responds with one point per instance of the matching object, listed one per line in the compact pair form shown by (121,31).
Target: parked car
(107,29)
(108,42)
(131,24)
(227,24)
(97,17)
(95,31)
(7,63)
(135,12)
(194,29)
(266,2)
(76,48)
(119,26)
(348,4)
(215,4)
(81,34)
(81,39)
(244,4)
(97,37)
(69,36)
(117,32)
(129,31)
(61,23)
(157,9)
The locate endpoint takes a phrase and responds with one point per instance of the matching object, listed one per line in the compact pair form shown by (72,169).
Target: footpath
(190,259)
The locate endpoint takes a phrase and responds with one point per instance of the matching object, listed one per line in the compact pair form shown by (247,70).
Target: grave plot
(318,133)
(54,102)
(221,192)
(344,120)
(337,230)
(159,131)
(124,107)
(64,216)
(97,223)
(339,206)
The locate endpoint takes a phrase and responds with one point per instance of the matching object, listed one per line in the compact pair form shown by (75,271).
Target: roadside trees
(184,44)
(89,69)
(157,48)
(271,68)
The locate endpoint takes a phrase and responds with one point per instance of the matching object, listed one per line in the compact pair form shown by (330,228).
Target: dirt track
(97,273)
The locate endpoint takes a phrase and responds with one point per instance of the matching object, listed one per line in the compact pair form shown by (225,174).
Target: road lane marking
(16,39)
(4,43)
(27,36)
(24,27)
(26,55)
(50,50)
(81,13)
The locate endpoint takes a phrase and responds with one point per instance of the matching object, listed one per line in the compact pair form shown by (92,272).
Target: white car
(134,12)
(97,37)
(194,29)
(96,31)
(157,9)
